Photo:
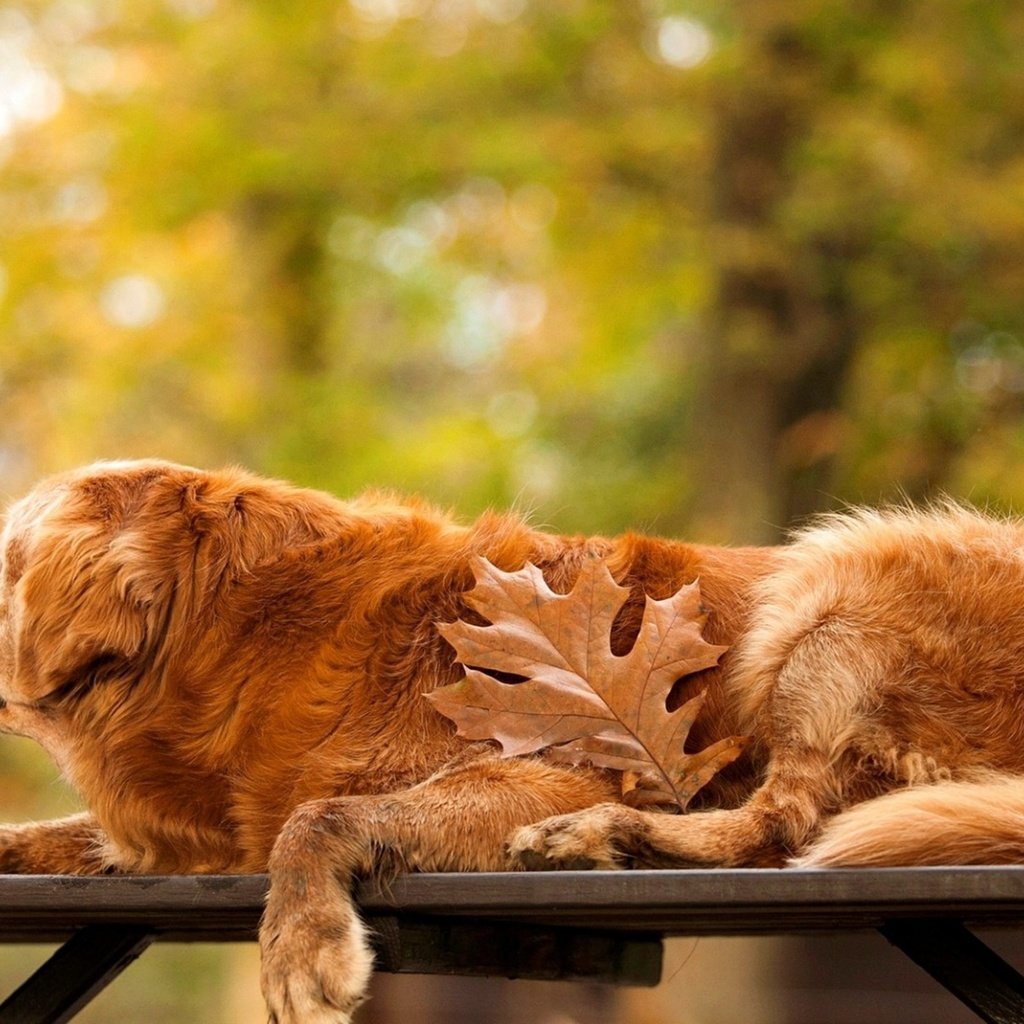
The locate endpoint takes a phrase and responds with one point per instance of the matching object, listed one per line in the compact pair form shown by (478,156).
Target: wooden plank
(723,902)
(963,964)
(77,972)
(601,925)
(728,902)
(202,908)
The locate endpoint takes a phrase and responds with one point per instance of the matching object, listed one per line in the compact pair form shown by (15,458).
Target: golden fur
(230,671)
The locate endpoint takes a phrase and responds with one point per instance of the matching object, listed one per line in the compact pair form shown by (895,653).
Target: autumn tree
(689,267)
(593,258)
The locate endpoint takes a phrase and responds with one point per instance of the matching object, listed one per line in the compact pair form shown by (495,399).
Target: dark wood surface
(719,902)
(606,926)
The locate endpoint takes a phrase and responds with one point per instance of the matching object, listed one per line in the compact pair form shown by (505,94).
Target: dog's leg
(66,846)
(777,820)
(316,962)
(815,719)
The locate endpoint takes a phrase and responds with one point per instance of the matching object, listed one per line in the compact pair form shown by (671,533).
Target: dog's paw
(597,838)
(316,964)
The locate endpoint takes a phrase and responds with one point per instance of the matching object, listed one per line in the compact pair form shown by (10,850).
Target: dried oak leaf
(579,701)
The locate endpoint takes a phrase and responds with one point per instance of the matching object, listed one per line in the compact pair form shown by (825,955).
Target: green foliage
(504,252)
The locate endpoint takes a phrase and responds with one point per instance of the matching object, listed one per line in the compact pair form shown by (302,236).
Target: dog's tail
(976,822)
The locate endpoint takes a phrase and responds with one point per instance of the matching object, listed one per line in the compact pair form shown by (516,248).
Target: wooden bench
(605,926)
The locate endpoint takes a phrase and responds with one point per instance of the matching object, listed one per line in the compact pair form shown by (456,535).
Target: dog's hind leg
(316,961)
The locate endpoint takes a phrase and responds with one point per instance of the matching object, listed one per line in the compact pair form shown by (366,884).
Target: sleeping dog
(230,671)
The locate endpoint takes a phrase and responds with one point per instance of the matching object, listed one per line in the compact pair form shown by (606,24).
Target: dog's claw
(533,861)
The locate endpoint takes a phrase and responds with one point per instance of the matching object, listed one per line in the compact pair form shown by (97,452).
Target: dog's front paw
(597,838)
(316,963)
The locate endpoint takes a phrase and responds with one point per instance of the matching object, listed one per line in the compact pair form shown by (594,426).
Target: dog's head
(96,562)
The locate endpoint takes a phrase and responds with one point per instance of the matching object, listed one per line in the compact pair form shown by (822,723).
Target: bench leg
(77,972)
(962,963)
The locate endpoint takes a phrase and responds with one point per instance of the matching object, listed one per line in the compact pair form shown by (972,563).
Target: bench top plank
(698,902)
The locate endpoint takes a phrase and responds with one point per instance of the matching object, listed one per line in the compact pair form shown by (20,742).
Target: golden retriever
(230,671)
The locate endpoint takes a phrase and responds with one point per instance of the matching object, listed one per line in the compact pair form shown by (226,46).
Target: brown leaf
(580,702)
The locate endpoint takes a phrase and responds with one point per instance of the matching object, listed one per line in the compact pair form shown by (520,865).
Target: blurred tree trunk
(283,236)
(781,336)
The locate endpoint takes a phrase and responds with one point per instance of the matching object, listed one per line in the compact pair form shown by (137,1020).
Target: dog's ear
(71,620)
(81,598)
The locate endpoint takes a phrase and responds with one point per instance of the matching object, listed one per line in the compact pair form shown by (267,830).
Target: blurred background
(690,267)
